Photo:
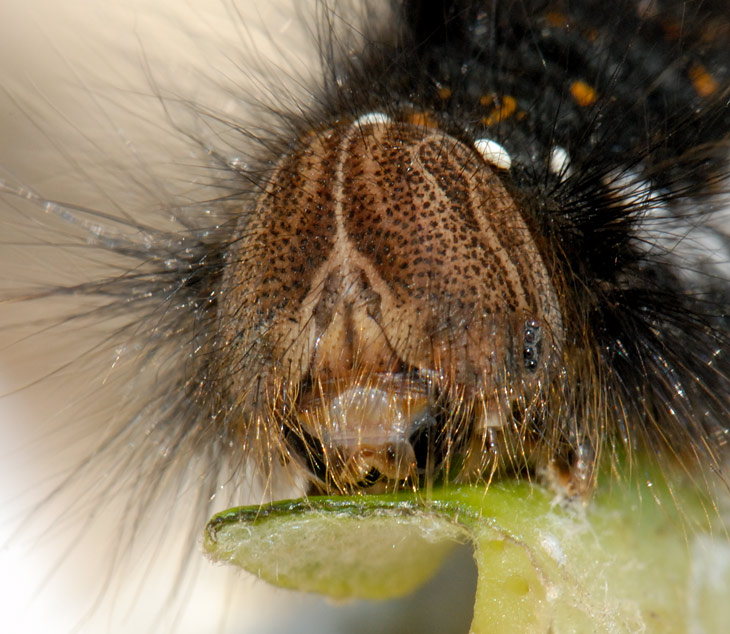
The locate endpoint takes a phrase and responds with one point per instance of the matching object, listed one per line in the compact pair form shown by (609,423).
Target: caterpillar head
(386,308)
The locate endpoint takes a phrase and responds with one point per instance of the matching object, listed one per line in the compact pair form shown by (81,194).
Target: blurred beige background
(79,122)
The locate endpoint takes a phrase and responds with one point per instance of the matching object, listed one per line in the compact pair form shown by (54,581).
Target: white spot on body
(559,161)
(372,118)
(681,233)
(493,153)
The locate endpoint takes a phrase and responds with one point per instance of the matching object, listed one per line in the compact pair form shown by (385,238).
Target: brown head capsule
(385,306)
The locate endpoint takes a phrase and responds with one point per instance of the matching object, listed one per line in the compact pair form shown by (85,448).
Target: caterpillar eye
(532,349)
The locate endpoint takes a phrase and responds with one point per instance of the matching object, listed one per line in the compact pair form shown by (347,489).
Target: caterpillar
(480,240)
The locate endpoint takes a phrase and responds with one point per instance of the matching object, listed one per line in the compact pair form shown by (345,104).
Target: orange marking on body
(422,118)
(583,93)
(703,83)
(501,112)
(444,92)
(672,29)
(557,19)
(715,31)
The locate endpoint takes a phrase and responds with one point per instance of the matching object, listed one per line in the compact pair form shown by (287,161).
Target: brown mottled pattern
(435,225)
(293,228)
(282,246)
(382,242)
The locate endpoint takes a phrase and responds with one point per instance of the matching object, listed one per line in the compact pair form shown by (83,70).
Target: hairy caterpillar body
(455,270)
(489,240)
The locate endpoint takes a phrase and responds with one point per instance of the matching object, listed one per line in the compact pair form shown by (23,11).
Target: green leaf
(637,558)
(374,547)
